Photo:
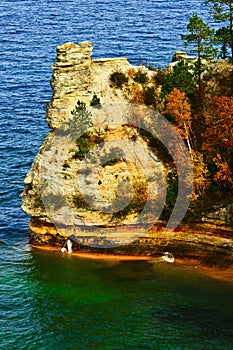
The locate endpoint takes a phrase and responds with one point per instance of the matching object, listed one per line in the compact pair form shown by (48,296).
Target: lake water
(52,302)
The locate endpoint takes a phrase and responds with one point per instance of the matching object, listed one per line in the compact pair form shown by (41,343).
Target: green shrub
(83,145)
(141,77)
(38,202)
(149,96)
(95,102)
(151,67)
(99,135)
(181,77)
(118,79)
(160,77)
(81,120)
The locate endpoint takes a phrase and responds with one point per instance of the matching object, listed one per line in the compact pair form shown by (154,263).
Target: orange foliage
(131,72)
(178,107)
(201,175)
(219,133)
(223,177)
(137,94)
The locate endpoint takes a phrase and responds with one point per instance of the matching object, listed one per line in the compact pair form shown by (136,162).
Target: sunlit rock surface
(50,188)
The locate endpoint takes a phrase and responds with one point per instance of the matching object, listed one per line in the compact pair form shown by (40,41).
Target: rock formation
(51,190)
(77,77)
(63,165)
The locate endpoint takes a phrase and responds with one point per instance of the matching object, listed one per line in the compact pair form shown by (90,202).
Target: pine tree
(200,37)
(222,11)
(223,37)
(81,120)
(181,77)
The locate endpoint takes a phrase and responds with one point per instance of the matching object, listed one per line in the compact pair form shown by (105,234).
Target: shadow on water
(208,321)
(127,305)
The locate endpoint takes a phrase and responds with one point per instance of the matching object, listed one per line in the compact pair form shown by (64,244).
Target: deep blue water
(51,302)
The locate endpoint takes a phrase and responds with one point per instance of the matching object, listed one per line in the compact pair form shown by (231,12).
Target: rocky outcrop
(64,166)
(51,194)
(221,214)
(77,77)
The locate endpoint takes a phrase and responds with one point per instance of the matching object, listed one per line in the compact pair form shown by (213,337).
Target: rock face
(77,77)
(222,213)
(51,195)
(65,165)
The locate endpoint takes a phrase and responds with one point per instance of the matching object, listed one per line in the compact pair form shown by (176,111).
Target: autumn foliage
(211,149)
(178,108)
(219,131)
(223,176)
(204,120)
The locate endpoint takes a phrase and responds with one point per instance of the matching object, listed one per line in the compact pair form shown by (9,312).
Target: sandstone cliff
(77,77)
(99,197)
(51,195)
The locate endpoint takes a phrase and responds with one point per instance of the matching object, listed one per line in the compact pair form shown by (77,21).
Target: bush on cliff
(141,77)
(83,145)
(149,96)
(181,77)
(95,102)
(118,79)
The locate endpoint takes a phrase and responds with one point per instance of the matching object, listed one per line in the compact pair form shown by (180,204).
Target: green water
(50,301)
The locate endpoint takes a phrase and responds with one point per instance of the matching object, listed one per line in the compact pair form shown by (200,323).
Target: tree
(200,37)
(118,79)
(218,143)
(222,11)
(223,177)
(181,77)
(178,107)
(201,175)
(95,102)
(81,120)
(223,37)
(219,132)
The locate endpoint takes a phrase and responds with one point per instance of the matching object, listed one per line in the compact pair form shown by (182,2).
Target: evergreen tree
(222,11)
(200,37)
(95,102)
(223,37)
(81,120)
(181,77)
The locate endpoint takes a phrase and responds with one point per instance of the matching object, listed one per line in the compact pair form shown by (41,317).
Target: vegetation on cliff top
(196,96)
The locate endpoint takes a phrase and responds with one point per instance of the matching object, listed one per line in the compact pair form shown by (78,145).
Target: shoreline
(94,256)
(224,274)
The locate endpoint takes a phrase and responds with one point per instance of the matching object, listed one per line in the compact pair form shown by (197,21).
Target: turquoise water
(60,302)
(52,302)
